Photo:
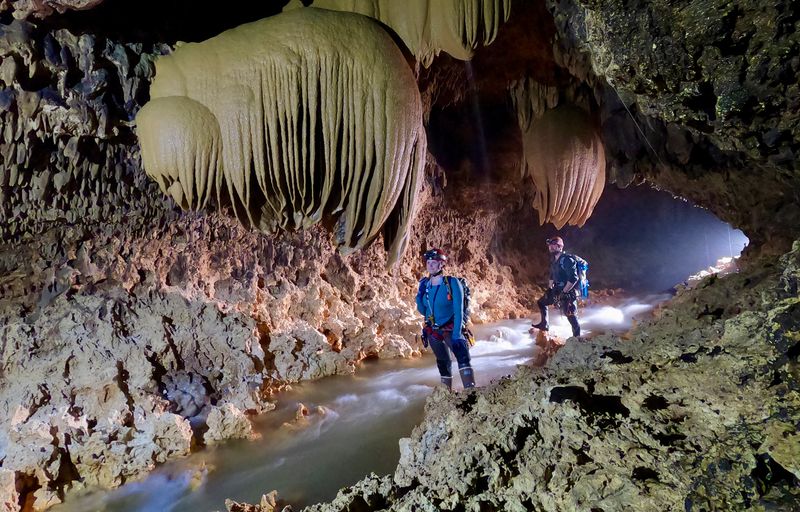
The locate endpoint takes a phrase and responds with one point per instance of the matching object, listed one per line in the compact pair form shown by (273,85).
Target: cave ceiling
(698,98)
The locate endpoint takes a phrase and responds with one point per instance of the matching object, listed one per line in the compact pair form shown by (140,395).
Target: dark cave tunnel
(639,239)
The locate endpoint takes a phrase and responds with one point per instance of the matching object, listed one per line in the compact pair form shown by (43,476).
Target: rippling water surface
(352,427)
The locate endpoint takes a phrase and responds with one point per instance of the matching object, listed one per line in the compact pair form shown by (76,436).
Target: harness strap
(430,319)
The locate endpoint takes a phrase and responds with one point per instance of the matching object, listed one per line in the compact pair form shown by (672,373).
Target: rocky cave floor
(694,409)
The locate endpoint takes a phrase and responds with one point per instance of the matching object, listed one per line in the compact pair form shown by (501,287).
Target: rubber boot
(576,327)
(543,325)
(467,377)
(448,383)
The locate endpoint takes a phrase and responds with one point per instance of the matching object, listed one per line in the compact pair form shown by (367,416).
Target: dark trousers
(441,348)
(568,304)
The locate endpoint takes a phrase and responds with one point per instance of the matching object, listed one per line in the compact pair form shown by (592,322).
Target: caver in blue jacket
(440,299)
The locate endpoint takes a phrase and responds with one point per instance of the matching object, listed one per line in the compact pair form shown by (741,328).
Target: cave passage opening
(639,239)
(645,240)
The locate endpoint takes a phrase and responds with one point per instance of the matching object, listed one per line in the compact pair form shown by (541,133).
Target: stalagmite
(429,27)
(307,115)
(564,156)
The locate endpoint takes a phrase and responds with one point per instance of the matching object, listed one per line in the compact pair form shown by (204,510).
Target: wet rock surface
(132,332)
(695,410)
(121,350)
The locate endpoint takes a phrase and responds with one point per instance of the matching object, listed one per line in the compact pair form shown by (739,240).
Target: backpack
(583,281)
(467,294)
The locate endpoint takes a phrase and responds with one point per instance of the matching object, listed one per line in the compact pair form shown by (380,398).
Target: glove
(469,337)
(426,332)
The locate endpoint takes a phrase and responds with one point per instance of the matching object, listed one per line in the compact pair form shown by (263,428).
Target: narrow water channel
(352,428)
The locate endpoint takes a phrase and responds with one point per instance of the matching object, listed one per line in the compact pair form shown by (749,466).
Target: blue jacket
(432,301)
(563,270)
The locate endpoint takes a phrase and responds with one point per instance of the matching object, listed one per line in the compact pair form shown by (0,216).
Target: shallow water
(352,427)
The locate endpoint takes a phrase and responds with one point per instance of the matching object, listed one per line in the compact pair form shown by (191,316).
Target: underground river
(348,427)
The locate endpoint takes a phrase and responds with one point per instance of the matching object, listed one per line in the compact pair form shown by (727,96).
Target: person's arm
(571,272)
(421,297)
(458,307)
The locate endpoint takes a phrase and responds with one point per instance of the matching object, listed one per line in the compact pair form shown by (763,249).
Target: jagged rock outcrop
(696,408)
(702,109)
(22,9)
(98,348)
(66,106)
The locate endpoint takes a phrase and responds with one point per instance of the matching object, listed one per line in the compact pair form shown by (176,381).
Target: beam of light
(476,112)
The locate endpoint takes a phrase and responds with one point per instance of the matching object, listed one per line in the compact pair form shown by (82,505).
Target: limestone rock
(457,27)
(687,411)
(24,8)
(227,422)
(9,498)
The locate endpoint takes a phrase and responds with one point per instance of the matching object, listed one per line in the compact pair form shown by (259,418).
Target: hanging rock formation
(295,118)
(427,28)
(564,157)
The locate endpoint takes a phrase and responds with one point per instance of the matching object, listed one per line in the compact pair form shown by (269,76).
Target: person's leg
(543,302)
(576,327)
(443,361)
(569,306)
(460,349)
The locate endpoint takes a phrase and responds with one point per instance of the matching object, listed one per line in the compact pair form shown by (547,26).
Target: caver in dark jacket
(561,289)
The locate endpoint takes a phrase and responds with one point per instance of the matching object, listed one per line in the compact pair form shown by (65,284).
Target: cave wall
(700,99)
(166,326)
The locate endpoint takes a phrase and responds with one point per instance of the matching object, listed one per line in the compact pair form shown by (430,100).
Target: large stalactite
(428,28)
(564,158)
(308,114)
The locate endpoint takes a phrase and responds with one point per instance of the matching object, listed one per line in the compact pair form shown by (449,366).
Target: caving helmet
(434,254)
(556,240)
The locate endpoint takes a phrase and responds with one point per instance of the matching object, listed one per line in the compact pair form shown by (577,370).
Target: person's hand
(425,332)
